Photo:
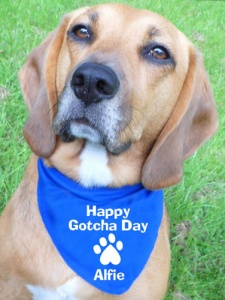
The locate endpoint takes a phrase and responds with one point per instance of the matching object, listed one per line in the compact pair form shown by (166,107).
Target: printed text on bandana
(107,247)
(104,225)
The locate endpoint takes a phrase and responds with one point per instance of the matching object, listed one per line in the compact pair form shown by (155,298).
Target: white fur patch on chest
(93,170)
(63,292)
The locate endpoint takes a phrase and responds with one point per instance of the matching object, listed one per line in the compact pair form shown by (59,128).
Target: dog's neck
(91,165)
(50,177)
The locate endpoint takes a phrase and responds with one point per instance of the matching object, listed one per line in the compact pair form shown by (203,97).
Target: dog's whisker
(53,107)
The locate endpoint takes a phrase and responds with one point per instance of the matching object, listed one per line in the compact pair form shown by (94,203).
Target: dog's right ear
(38,82)
(40,101)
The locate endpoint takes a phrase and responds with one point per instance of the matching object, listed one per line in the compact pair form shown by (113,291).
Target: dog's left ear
(193,120)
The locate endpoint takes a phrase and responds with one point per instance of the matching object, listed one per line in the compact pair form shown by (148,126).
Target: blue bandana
(105,235)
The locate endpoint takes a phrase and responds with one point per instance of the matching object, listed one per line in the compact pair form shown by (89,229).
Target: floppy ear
(38,82)
(193,120)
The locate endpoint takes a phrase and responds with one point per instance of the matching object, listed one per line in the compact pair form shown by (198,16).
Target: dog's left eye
(157,54)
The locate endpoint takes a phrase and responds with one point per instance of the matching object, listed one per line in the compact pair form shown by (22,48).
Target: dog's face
(111,75)
(123,78)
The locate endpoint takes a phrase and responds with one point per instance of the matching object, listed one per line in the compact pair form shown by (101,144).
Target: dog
(117,97)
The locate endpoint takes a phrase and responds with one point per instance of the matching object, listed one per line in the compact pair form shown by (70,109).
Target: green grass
(196,206)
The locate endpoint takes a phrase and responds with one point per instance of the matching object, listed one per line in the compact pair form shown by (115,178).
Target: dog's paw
(109,250)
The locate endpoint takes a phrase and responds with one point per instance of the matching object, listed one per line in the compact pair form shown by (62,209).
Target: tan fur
(172,114)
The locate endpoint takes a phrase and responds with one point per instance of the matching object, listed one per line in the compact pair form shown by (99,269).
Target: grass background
(196,205)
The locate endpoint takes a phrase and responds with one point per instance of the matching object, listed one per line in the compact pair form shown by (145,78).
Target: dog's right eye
(80,32)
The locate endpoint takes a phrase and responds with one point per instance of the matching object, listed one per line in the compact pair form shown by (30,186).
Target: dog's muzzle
(93,106)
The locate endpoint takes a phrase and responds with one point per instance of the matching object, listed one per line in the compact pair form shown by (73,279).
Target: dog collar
(105,235)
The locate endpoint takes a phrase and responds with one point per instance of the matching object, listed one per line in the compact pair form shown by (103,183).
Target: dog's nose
(93,83)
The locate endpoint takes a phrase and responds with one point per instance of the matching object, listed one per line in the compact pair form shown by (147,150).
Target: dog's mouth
(84,121)
(82,128)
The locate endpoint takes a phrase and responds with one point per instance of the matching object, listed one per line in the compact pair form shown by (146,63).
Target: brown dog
(116,96)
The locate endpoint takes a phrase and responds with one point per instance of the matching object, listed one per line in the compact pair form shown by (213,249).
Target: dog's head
(123,78)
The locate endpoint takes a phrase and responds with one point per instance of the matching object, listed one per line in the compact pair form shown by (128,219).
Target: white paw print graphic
(110,254)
